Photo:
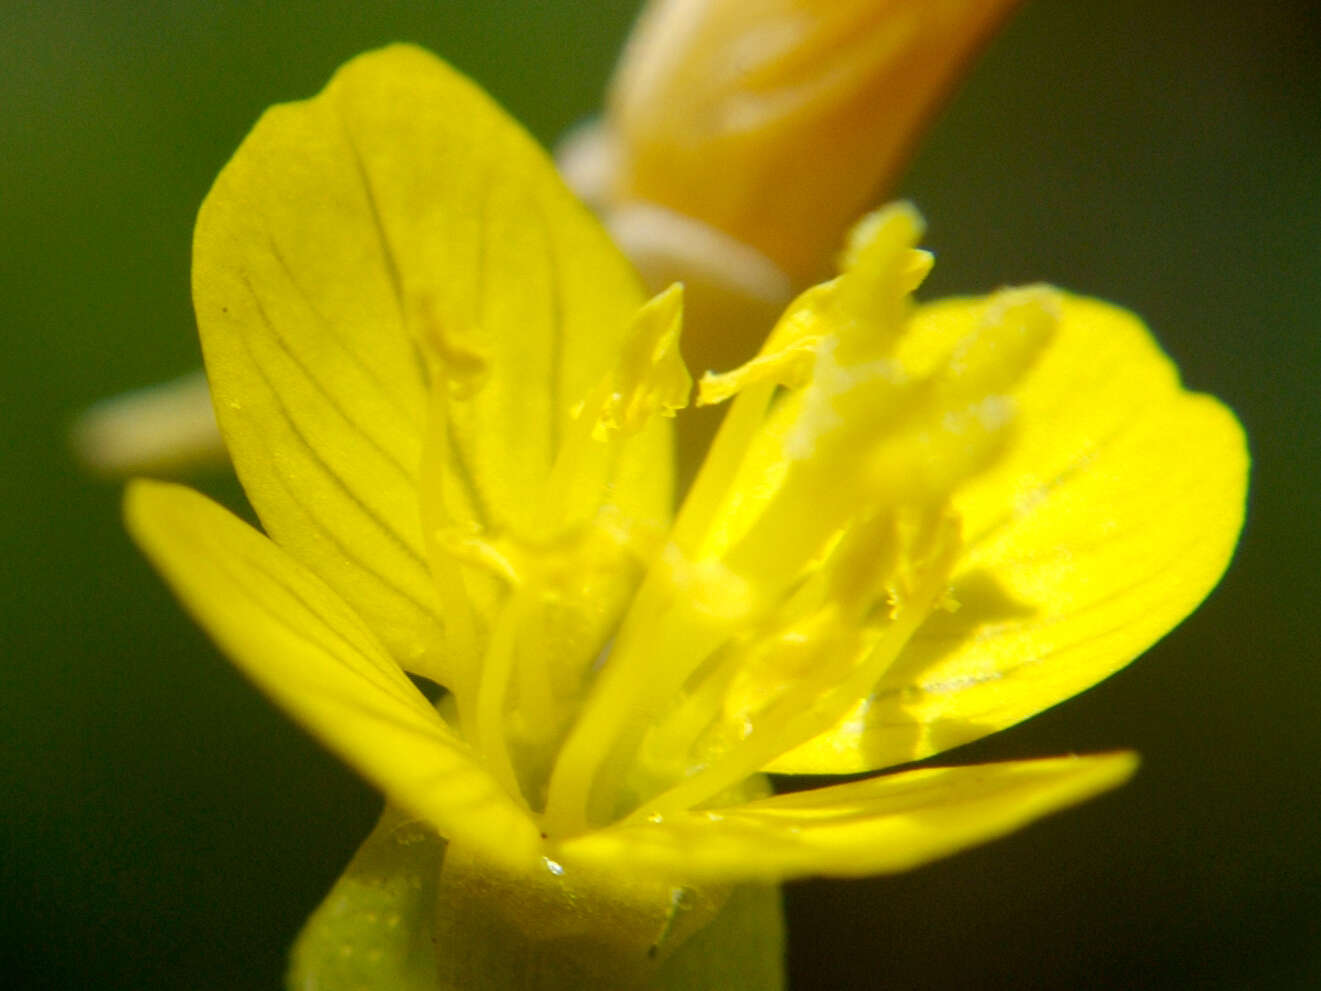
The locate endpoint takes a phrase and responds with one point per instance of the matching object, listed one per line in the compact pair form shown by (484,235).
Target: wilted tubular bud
(773,124)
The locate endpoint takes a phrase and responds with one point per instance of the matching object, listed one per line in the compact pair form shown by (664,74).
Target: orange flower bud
(779,122)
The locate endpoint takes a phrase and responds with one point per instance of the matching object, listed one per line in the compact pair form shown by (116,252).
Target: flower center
(815,540)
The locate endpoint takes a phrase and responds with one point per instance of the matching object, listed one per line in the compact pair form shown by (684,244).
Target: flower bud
(780,122)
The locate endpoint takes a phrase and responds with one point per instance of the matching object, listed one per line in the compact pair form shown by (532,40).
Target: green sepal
(373,930)
(382,928)
(741,949)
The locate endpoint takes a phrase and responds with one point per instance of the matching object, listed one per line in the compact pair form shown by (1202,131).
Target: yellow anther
(860,247)
(461,361)
(948,603)
(1015,328)
(558,565)
(816,649)
(790,367)
(471,546)
(918,266)
(713,589)
(846,409)
(939,448)
(880,270)
(864,307)
(873,239)
(861,563)
(786,358)
(651,377)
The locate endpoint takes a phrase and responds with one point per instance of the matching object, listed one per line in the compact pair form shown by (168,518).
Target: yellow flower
(448,402)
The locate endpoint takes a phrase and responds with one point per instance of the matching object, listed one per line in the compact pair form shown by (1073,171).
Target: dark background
(163,827)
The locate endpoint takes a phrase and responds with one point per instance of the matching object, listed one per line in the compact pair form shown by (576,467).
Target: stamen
(670,629)
(562,595)
(811,641)
(1014,330)
(860,315)
(869,308)
(489,725)
(462,362)
(737,432)
(470,545)
(829,420)
(651,377)
(454,591)
(790,367)
(788,722)
(786,358)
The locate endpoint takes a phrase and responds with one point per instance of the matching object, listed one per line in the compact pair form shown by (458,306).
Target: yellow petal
(876,826)
(780,121)
(302,646)
(400,228)
(1112,514)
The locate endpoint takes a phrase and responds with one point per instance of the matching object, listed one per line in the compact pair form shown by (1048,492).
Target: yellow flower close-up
(449,402)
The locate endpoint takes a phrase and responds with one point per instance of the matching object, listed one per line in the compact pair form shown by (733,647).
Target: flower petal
(1111,516)
(875,826)
(302,646)
(396,229)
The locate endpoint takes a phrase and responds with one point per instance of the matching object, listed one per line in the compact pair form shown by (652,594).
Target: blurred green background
(163,827)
